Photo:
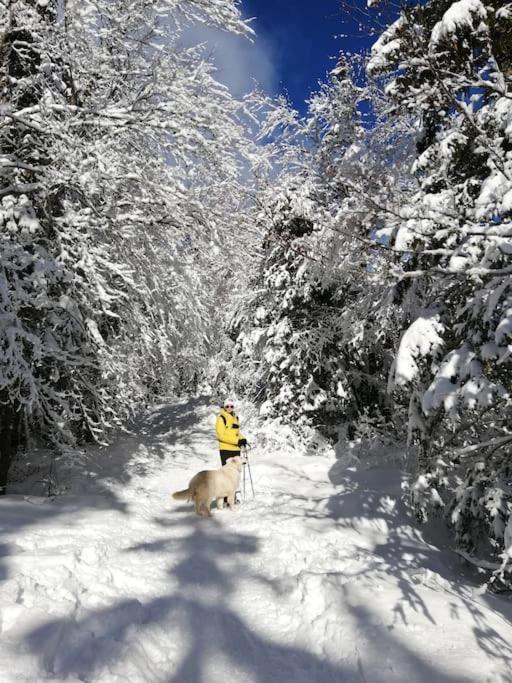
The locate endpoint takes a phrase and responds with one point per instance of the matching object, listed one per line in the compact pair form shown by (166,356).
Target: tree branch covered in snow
(122,162)
(409,219)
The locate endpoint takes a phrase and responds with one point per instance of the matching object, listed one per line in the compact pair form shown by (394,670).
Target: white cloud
(241,63)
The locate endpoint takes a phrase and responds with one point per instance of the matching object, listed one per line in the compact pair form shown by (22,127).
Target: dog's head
(235,462)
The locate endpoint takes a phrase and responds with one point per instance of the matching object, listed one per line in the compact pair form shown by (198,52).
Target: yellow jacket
(227,428)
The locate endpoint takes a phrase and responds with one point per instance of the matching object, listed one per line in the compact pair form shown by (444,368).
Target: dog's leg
(220,503)
(197,506)
(231,501)
(204,507)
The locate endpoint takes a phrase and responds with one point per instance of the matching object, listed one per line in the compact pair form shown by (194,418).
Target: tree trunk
(9,431)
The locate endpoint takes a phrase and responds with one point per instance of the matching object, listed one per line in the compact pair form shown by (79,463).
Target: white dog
(213,484)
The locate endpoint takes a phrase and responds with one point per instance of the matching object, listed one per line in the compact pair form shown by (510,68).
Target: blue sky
(303,39)
(296,44)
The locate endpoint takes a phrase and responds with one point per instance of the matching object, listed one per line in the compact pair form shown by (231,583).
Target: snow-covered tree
(121,160)
(449,64)
(285,331)
(387,252)
(317,330)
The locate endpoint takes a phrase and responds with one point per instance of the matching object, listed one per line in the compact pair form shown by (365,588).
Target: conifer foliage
(291,338)
(451,63)
(413,208)
(314,336)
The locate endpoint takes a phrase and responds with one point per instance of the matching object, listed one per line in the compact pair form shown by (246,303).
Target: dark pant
(226,455)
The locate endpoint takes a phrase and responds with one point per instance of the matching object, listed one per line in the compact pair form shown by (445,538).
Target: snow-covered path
(320,578)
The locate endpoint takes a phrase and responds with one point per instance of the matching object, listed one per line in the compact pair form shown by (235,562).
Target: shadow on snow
(411,556)
(212,629)
(198,613)
(197,617)
(20,512)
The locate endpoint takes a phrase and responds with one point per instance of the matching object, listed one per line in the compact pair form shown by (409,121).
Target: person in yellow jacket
(227,428)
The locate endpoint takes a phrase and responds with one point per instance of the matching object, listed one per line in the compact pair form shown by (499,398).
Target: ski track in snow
(322,577)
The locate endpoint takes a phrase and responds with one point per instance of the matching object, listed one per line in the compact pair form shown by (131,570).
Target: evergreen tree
(317,334)
(290,338)
(449,62)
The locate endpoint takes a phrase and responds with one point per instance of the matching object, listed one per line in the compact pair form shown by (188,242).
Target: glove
(242,442)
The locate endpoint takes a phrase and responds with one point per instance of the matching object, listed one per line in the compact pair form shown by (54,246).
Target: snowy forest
(346,271)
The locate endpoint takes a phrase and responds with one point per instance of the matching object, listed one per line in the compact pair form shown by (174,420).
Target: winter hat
(228,402)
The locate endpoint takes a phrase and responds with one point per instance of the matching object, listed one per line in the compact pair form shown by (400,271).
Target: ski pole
(243,479)
(250,477)
(246,464)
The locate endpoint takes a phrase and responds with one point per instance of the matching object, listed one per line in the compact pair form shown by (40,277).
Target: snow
(385,48)
(321,577)
(504,12)
(508,540)
(495,196)
(421,339)
(456,366)
(504,328)
(460,14)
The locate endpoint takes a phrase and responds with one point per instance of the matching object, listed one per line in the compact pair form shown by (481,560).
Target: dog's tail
(186,494)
